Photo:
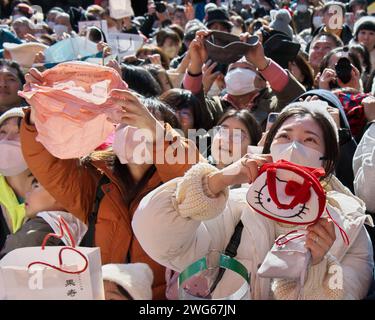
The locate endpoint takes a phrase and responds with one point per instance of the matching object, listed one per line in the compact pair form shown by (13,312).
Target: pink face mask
(133,145)
(12,162)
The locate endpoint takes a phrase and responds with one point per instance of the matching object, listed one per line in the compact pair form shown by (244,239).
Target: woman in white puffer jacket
(183,220)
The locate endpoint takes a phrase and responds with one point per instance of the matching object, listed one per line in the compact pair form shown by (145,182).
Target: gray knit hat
(281,23)
(364,23)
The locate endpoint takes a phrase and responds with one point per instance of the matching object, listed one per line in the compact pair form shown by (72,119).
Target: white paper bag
(120,9)
(100,24)
(41,282)
(124,44)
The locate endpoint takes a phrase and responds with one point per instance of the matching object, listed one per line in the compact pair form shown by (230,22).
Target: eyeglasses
(236,134)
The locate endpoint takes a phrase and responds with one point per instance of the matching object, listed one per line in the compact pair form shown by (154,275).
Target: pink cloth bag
(73,113)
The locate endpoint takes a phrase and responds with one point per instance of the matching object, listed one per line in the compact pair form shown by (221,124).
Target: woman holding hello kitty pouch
(302,234)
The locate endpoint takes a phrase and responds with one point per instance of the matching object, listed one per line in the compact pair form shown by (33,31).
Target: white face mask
(132,145)
(302,8)
(297,153)
(240,81)
(317,21)
(60,29)
(51,24)
(12,162)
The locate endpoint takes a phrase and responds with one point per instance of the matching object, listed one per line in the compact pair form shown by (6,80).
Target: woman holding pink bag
(122,179)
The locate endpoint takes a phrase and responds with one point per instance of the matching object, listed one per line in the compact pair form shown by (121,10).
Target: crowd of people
(223,90)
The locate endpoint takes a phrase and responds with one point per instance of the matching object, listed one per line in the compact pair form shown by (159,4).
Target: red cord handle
(61,262)
(61,224)
(342,231)
(280,243)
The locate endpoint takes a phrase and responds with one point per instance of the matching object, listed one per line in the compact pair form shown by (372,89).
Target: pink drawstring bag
(73,113)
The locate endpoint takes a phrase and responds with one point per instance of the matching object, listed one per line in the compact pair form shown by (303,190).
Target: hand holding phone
(271,119)
(343,70)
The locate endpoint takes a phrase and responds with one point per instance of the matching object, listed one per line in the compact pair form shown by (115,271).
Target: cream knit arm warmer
(349,278)
(194,199)
(320,283)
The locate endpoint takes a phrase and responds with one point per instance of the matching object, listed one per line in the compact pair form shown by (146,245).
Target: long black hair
(254,130)
(180,99)
(140,80)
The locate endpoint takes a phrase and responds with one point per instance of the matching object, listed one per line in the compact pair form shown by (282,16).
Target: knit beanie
(281,22)
(135,278)
(11,113)
(364,23)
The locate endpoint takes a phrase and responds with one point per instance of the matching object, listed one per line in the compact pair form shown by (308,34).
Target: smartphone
(343,70)
(271,119)
(258,25)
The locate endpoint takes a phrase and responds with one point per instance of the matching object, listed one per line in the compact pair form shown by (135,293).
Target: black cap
(279,48)
(218,15)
